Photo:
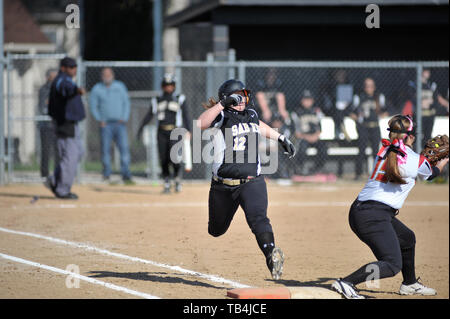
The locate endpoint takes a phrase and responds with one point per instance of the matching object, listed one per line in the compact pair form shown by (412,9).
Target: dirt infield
(154,244)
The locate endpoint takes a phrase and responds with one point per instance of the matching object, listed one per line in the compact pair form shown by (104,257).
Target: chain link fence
(334,112)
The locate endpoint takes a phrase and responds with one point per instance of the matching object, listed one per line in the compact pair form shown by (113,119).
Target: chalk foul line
(212,278)
(80,277)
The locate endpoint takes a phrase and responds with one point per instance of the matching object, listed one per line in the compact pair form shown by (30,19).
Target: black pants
(367,136)
(392,243)
(48,148)
(164,147)
(224,201)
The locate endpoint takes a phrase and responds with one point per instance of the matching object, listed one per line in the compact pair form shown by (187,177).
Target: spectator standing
(110,106)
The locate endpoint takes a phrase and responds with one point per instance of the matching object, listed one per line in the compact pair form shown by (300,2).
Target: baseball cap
(307,94)
(68,62)
(168,79)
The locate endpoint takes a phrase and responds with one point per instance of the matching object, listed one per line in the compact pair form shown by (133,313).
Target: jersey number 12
(239,143)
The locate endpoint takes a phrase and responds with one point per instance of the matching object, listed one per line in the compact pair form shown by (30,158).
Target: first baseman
(373,214)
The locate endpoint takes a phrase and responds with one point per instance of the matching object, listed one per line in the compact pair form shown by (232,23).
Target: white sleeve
(424,170)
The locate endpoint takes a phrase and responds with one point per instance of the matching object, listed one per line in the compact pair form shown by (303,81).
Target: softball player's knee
(216,232)
(260,225)
(394,266)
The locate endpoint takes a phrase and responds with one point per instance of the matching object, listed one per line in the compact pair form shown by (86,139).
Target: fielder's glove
(436,148)
(288,147)
(231,100)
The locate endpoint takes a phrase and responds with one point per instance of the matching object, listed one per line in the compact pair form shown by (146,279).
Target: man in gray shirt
(110,106)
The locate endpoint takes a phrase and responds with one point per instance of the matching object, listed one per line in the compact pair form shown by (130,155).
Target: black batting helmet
(230,86)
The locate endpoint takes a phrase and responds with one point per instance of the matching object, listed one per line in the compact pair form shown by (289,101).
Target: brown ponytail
(391,171)
(211,102)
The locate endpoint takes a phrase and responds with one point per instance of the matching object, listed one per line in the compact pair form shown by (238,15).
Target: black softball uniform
(171,111)
(237,161)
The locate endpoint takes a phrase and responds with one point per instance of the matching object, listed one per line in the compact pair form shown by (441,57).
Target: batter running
(373,214)
(236,170)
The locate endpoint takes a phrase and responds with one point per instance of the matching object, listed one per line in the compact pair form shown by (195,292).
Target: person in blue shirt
(66,109)
(110,106)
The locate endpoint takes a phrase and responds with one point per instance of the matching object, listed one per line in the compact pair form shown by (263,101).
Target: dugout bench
(347,149)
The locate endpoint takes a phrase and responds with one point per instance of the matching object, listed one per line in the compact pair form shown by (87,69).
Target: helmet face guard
(232,86)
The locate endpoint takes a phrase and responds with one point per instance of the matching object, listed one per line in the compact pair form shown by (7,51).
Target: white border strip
(81,277)
(212,278)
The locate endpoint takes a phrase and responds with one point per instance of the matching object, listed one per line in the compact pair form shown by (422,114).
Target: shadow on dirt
(320,282)
(26,196)
(161,277)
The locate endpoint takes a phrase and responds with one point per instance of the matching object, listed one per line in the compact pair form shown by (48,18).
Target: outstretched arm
(269,132)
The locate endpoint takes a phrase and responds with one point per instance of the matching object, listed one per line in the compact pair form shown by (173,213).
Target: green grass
(93,166)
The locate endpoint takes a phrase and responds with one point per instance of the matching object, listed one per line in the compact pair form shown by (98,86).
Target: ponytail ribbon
(397,146)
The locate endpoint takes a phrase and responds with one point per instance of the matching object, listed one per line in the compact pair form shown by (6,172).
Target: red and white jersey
(394,195)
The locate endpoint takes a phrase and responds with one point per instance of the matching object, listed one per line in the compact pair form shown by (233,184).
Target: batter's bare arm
(206,118)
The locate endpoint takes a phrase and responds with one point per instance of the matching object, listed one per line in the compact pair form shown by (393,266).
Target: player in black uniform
(367,108)
(171,112)
(236,169)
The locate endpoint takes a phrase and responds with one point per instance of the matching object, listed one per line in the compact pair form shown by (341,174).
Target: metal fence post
(231,59)
(9,120)
(2,119)
(81,82)
(178,76)
(241,71)
(419,134)
(210,80)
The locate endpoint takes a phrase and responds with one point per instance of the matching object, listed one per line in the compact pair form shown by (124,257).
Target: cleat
(177,186)
(417,289)
(346,289)
(166,189)
(275,263)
